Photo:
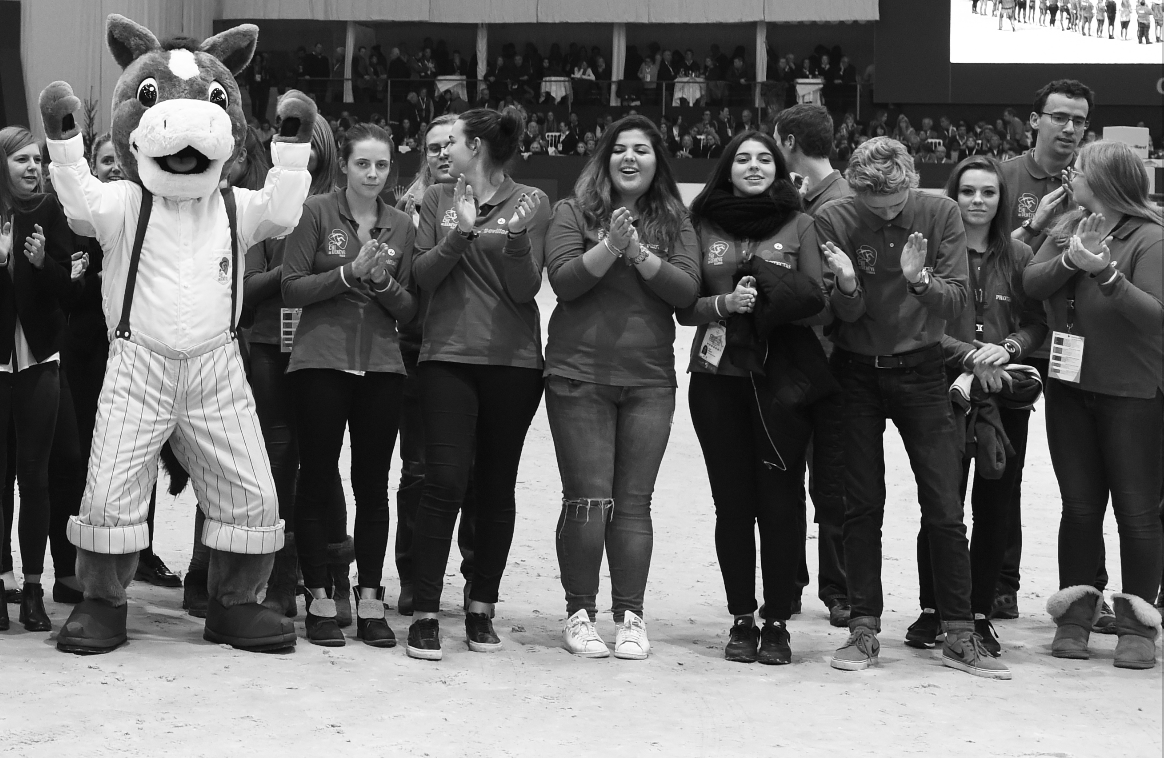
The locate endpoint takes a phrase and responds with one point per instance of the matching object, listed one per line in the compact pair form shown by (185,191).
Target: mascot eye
(147,92)
(218,95)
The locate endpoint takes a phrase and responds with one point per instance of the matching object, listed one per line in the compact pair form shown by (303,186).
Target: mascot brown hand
(178,126)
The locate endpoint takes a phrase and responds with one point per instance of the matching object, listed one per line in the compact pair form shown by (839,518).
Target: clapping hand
(465,204)
(1088,249)
(527,206)
(841,266)
(80,262)
(34,246)
(1049,206)
(367,259)
(743,298)
(621,227)
(913,256)
(5,242)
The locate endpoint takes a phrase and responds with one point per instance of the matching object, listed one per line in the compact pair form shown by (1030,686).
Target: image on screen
(1067,31)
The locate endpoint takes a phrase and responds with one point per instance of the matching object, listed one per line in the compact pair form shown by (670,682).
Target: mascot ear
(234,47)
(128,40)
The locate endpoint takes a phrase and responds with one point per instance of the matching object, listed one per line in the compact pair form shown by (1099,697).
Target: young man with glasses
(1035,183)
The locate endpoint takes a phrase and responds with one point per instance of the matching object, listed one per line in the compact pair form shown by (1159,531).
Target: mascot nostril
(184,261)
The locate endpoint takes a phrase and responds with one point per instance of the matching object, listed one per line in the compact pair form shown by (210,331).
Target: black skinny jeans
(749,489)
(368,407)
(992,504)
(475,418)
(1105,445)
(412,478)
(30,399)
(67,469)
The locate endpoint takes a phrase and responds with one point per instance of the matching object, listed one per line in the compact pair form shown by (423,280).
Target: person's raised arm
(525,249)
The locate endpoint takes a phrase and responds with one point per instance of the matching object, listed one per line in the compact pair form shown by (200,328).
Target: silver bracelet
(610,247)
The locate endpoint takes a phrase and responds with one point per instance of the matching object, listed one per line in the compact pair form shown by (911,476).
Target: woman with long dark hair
(621,256)
(748,216)
(35,252)
(348,265)
(479,258)
(1002,327)
(1101,274)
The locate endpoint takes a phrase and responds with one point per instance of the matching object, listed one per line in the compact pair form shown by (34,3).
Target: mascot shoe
(248,626)
(94,626)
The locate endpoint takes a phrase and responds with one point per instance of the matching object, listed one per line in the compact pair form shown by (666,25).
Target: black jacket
(35,294)
(790,370)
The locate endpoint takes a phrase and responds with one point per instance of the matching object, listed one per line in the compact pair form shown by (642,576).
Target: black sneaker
(743,638)
(151,569)
(774,647)
(479,633)
(195,598)
(924,632)
(839,611)
(424,640)
(1106,622)
(990,643)
(1005,606)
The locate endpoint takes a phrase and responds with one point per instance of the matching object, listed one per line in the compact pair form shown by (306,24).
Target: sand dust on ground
(169,693)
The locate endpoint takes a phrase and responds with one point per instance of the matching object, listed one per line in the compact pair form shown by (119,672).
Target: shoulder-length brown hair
(1118,179)
(661,210)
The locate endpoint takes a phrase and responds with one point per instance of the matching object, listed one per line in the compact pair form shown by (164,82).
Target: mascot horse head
(178,121)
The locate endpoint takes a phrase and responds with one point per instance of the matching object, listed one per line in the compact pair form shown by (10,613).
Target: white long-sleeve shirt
(183,292)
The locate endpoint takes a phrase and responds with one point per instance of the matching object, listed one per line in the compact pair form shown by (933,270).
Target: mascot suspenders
(173,247)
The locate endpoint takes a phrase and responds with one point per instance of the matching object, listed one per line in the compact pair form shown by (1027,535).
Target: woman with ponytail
(479,259)
(621,256)
(748,215)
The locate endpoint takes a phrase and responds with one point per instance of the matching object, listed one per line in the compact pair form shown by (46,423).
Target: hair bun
(512,123)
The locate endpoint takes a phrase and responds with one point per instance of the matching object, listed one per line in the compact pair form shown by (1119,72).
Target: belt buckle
(877,361)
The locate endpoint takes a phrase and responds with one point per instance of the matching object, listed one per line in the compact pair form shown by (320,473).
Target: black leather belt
(912,359)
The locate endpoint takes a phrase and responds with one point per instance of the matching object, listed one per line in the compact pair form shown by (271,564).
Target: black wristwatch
(470,235)
(1029,225)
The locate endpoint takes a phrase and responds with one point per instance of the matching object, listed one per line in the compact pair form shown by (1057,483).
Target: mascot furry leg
(174,366)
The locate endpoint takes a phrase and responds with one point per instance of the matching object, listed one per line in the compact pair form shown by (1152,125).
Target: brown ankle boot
(1137,624)
(1074,611)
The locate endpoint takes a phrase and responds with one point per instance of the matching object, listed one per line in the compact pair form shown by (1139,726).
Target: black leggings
(30,398)
(368,406)
(749,489)
(67,470)
(992,503)
(475,418)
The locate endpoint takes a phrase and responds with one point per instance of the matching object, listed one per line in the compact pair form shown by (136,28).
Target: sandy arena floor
(170,693)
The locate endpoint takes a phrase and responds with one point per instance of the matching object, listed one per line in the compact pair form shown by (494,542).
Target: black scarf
(753,218)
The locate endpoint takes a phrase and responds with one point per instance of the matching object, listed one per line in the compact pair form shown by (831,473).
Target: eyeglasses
(1061,119)
(434,148)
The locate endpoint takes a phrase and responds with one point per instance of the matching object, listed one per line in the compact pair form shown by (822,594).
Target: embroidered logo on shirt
(1027,203)
(450,218)
(222,270)
(715,253)
(778,246)
(1003,298)
(866,259)
(501,220)
(337,242)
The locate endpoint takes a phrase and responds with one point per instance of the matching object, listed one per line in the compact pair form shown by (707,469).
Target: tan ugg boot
(1137,624)
(1074,610)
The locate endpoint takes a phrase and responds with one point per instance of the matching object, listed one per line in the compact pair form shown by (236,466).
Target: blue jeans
(1100,445)
(917,402)
(610,442)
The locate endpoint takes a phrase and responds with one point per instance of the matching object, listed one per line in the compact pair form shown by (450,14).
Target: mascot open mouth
(186,161)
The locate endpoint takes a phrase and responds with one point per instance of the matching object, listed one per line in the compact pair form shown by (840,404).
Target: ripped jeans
(610,442)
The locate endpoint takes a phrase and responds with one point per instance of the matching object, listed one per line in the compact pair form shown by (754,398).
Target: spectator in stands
(602,76)
(668,73)
(452,102)
(582,79)
(739,82)
(905,134)
(690,67)
(686,147)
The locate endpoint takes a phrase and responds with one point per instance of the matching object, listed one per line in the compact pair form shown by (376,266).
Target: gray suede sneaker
(860,651)
(964,651)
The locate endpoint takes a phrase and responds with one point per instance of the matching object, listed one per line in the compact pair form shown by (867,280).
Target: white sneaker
(631,642)
(581,638)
